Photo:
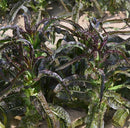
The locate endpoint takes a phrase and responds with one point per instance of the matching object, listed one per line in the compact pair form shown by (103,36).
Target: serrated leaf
(120,117)
(116,101)
(46,108)
(61,113)
(114,104)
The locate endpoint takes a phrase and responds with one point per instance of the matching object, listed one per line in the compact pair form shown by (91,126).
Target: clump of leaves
(100,63)
(86,68)
(15,7)
(27,61)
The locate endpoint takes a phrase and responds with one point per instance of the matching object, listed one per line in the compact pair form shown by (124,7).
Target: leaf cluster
(86,67)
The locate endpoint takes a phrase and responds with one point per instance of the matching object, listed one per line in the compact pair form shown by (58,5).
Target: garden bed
(57,11)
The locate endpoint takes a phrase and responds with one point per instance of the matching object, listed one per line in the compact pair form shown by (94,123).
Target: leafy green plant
(25,6)
(98,67)
(86,68)
(23,54)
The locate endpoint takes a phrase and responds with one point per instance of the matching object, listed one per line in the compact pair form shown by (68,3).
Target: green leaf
(115,100)
(118,87)
(47,108)
(123,72)
(5,40)
(114,104)
(62,114)
(120,117)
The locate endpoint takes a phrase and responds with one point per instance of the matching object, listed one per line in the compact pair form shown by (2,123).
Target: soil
(57,10)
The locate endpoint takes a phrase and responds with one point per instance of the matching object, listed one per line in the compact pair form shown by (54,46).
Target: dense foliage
(73,7)
(88,69)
